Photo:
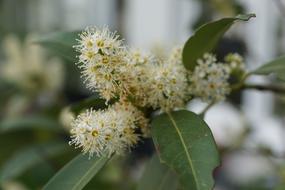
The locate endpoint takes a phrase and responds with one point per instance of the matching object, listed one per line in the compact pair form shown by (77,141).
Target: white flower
(109,131)
(98,41)
(209,81)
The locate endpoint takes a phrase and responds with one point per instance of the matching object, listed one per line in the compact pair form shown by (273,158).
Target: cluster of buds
(235,61)
(209,81)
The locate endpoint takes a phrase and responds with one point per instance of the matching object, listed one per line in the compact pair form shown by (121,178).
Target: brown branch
(261,87)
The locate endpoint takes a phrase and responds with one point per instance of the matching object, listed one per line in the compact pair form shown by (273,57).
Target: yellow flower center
(160,86)
(212,86)
(95,133)
(113,125)
(89,44)
(101,123)
(108,137)
(173,81)
(128,131)
(164,73)
(107,77)
(100,43)
(90,54)
(171,93)
(93,69)
(105,60)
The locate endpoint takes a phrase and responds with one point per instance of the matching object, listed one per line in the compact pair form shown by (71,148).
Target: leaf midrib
(87,173)
(189,159)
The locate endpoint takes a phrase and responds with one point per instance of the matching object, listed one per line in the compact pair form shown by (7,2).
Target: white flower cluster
(137,80)
(113,70)
(109,131)
(102,57)
(209,81)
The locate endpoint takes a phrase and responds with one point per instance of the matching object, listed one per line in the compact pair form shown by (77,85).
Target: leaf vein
(185,148)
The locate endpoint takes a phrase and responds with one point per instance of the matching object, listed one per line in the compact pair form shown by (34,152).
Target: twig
(202,114)
(241,83)
(261,87)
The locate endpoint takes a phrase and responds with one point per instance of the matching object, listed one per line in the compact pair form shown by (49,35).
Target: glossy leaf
(206,38)
(77,173)
(276,67)
(60,44)
(29,122)
(28,157)
(157,176)
(185,143)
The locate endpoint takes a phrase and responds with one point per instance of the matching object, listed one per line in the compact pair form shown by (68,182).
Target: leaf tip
(245,17)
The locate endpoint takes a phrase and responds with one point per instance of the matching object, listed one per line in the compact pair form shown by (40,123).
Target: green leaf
(276,67)
(185,143)
(94,101)
(77,173)
(206,38)
(29,122)
(60,44)
(157,176)
(28,157)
